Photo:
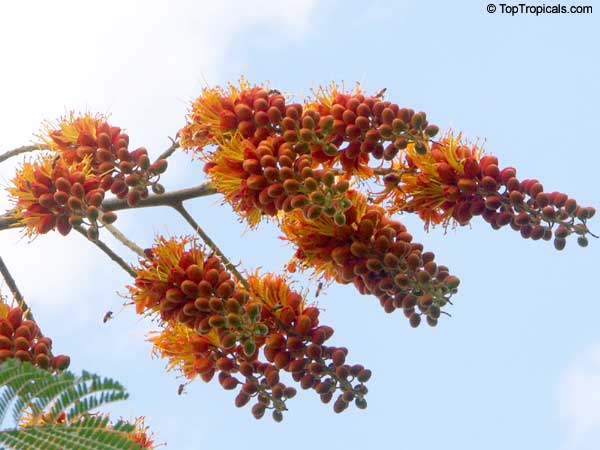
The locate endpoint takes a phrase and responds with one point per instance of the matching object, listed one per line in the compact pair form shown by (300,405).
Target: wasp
(319,287)
(107,316)
(381,93)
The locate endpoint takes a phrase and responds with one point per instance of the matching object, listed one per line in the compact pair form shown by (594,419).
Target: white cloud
(140,60)
(579,397)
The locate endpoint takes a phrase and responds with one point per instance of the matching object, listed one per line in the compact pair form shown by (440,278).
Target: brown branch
(6,221)
(106,249)
(10,281)
(20,150)
(206,238)
(168,152)
(115,204)
(12,285)
(124,240)
(166,199)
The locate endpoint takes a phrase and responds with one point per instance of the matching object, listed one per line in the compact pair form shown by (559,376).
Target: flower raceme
(362,128)
(66,187)
(126,173)
(49,194)
(273,177)
(375,253)
(196,355)
(295,343)
(335,126)
(273,156)
(214,325)
(455,182)
(176,274)
(21,339)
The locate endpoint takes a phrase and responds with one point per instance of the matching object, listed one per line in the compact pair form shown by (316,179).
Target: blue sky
(518,365)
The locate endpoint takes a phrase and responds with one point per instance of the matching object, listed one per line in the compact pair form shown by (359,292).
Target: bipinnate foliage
(54,411)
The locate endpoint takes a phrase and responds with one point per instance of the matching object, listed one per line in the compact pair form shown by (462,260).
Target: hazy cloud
(579,397)
(140,60)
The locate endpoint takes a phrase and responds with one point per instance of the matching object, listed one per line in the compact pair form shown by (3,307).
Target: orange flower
(4,306)
(315,239)
(76,135)
(170,257)
(43,203)
(21,338)
(375,253)
(274,292)
(141,434)
(226,172)
(325,97)
(352,160)
(185,349)
(28,419)
(213,118)
(86,137)
(429,185)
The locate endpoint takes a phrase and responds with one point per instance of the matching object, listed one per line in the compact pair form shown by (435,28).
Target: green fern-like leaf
(28,392)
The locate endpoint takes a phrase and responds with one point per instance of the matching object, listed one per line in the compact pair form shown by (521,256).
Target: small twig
(168,152)
(12,285)
(123,239)
(7,220)
(206,238)
(20,150)
(112,255)
(10,281)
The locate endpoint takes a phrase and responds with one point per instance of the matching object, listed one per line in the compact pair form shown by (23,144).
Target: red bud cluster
(263,142)
(296,340)
(455,181)
(21,339)
(335,127)
(357,127)
(127,174)
(377,255)
(218,327)
(182,283)
(49,194)
(67,188)
(274,177)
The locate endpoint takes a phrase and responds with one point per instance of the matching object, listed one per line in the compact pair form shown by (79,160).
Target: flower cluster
(217,326)
(49,194)
(375,253)
(66,187)
(358,128)
(272,156)
(275,156)
(273,177)
(296,343)
(21,339)
(140,433)
(455,181)
(126,173)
